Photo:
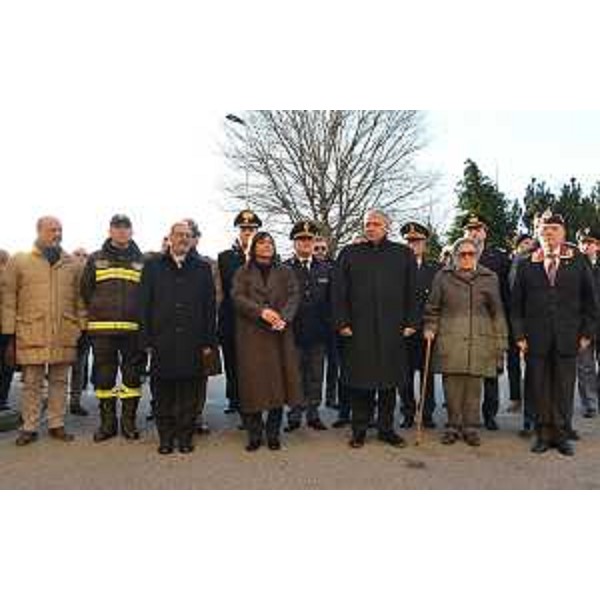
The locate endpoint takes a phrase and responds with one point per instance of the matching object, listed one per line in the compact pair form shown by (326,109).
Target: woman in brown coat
(466,318)
(266,298)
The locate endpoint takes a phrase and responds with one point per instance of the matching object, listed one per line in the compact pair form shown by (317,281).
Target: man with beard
(43,315)
(375,311)
(229,262)
(554,316)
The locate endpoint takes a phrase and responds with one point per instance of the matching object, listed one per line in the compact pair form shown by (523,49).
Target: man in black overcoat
(374,306)
(554,314)
(178,326)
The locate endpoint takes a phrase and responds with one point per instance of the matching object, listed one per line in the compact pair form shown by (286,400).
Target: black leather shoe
(165,450)
(540,447)
(274,445)
(317,425)
(291,427)
(392,439)
(26,437)
(186,449)
(573,436)
(590,414)
(78,410)
(341,423)
(565,448)
(102,435)
(408,423)
(253,446)
(491,425)
(429,424)
(357,442)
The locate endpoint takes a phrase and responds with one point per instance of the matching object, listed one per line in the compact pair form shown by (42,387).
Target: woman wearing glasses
(466,319)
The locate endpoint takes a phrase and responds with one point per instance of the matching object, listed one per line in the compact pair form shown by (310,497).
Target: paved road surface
(310,460)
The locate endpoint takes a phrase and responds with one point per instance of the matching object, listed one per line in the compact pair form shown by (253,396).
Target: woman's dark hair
(259,237)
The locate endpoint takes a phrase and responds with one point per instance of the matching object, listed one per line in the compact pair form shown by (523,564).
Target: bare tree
(330,166)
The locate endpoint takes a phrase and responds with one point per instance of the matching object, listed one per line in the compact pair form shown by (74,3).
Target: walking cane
(421,405)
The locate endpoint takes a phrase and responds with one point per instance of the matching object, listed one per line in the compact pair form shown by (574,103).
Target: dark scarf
(264,269)
(51,253)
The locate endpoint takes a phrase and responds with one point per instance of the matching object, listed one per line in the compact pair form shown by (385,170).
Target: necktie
(553,270)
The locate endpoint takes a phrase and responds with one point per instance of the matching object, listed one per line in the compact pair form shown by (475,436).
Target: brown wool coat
(468,318)
(43,307)
(267,362)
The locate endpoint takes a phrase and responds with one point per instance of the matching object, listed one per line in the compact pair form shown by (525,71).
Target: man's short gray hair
(379,214)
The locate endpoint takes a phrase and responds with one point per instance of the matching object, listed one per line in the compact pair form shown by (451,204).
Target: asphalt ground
(309,460)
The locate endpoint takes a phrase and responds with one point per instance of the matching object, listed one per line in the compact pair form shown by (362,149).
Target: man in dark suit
(312,325)
(229,262)
(416,235)
(375,311)
(554,316)
(498,261)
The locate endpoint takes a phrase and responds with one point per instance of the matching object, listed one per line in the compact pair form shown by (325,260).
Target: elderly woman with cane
(466,319)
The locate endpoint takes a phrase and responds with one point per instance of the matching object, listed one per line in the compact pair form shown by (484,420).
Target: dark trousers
(6,373)
(416,349)
(491,398)
(256,425)
(229,360)
(113,353)
(363,404)
(529,418)
(552,381)
(312,366)
(176,403)
(344,401)
(80,370)
(332,373)
(514,373)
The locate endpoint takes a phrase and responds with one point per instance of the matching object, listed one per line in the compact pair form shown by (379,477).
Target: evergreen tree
(478,194)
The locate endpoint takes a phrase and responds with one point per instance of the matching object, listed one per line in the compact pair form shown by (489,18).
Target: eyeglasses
(320,248)
(467,254)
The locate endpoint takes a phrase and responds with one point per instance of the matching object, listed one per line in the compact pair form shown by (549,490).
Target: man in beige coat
(44,314)
(6,371)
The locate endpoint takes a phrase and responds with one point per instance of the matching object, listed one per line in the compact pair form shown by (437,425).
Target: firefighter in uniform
(312,325)
(111,291)
(416,236)
(498,261)
(229,262)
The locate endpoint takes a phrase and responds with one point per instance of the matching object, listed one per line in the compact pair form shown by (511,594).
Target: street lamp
(239,121)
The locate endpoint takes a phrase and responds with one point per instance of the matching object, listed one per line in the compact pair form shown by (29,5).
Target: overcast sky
(84,162)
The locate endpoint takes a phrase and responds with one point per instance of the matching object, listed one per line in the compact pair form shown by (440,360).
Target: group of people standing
(366,323)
